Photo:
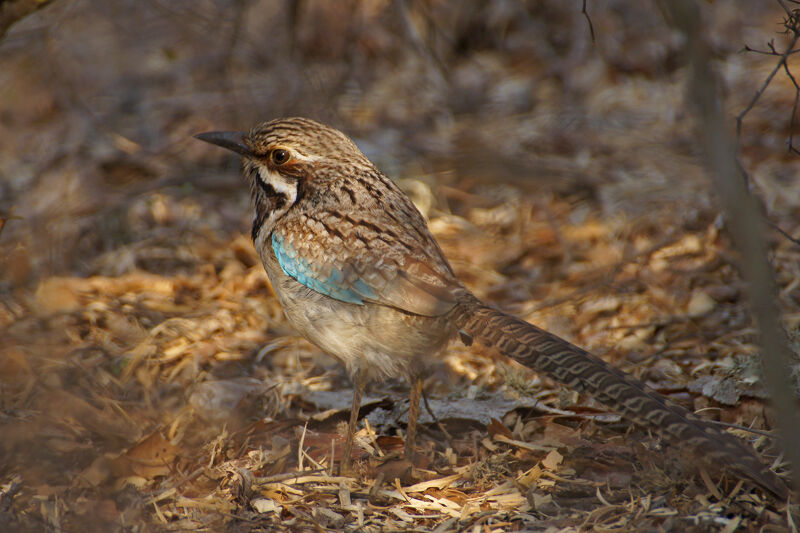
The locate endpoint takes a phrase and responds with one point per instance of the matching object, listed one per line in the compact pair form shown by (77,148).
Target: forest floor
(150,382)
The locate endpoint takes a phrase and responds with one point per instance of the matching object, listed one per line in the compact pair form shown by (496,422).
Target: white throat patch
(282,185)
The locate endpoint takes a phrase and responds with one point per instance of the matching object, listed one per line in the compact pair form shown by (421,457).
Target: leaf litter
(157,384)
(192,391)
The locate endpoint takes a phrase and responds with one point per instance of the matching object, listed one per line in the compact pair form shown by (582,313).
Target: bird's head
(286,157)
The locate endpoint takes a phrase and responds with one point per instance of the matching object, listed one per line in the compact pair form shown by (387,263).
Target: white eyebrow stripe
(296,154)
(303,157)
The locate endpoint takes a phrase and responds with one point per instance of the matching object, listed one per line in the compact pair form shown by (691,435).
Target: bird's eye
(280,156)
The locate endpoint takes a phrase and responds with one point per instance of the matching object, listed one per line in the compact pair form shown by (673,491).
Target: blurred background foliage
(98,102)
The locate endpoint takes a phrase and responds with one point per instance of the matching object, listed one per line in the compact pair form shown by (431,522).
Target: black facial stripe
(276,199)
(266,200)
(258,221)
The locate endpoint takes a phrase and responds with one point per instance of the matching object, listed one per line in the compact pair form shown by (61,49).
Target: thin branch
(768,434)
(12,11)
(771,52)
(783,232)
(794,106)
(4,219)
(789,12)
(781,62)
(791,25)
(420,44)
(589,21)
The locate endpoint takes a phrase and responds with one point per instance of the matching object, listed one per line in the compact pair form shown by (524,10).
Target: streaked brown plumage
(359,274)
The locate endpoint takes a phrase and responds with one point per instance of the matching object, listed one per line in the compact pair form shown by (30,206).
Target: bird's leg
(358,390)
(413,414)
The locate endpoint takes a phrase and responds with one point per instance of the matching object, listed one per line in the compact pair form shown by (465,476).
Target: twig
(438,423)
(419,43)
(791,24)
(588,21)
(768,434)
(300,448)
(13,11)
(783,232)
(371,433)
(5,219)
(794,104)
(287,475)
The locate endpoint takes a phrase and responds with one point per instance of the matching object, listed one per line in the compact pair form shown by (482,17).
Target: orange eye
(280,156)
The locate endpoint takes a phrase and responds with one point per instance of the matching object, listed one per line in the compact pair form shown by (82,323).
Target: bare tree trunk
(743,220)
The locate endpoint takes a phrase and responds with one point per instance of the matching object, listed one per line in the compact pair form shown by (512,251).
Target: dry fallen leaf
(552,460)
(59,295)
(700,304)
(151,457)
(496,427)
(266,505)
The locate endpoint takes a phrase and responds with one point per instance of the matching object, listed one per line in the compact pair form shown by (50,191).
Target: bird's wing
(351,260)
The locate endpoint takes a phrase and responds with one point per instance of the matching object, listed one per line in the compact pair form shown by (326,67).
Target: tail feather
(544,352)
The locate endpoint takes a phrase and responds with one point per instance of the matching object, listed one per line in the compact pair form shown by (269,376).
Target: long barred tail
(578,369)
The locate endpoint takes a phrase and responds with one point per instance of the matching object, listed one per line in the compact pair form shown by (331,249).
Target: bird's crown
(291,146)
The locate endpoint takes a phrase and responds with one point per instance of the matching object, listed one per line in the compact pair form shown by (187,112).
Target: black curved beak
(232,140)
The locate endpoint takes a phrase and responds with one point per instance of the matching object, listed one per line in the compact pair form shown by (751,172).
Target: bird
(359,274)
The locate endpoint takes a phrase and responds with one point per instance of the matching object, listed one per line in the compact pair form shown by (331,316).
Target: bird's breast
(380,340)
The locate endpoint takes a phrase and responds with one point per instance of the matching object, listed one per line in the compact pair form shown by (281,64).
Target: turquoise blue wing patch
(330,283)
